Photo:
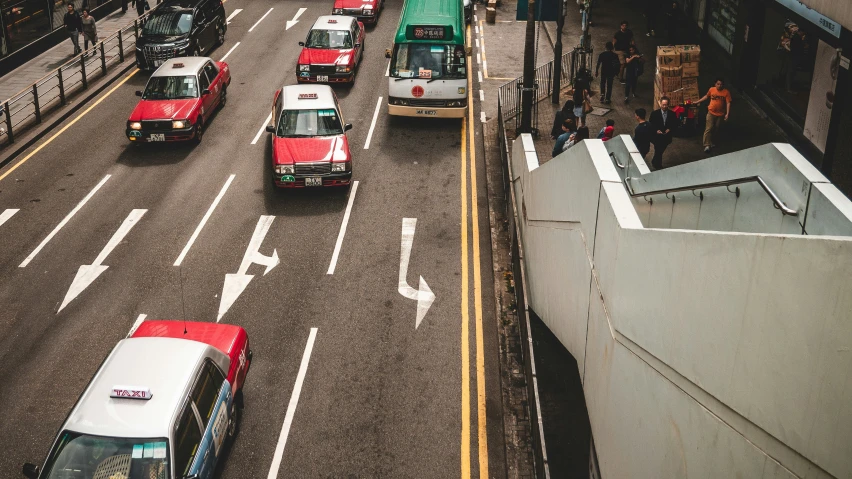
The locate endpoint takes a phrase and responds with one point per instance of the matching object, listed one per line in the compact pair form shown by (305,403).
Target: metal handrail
(716,184)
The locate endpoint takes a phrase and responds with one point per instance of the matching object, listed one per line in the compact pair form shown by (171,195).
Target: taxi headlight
(340,167)
(304,68)
(368,10)
(135,125)
(337,11)
(179,124)
(284,169)
(342,69)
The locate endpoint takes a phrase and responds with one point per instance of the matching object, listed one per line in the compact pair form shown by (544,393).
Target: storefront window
(723,22)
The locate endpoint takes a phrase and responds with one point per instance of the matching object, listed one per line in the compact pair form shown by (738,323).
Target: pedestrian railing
(28,107)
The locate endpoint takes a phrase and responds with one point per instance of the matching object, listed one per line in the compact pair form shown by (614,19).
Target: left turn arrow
(88,273)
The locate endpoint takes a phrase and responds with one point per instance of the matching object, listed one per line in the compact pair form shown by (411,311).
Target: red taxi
(309,145)
(178,100)
(332,52)
(366,11)
(163,404)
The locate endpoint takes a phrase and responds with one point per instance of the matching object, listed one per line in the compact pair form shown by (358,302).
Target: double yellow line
(482,438)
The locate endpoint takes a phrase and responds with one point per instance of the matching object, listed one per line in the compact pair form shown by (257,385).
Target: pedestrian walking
(652,11)
(141,6)
(73,25)
(663,124)
(621,40)
(566,113)
(633,68)
(90,30)
(673,19)
(607,68)
(609,123)
(124,6)
(581,134)
(718,111)
(643,134)
(568,130)
(581,98)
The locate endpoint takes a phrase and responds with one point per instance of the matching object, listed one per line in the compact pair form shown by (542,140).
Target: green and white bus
(428,67)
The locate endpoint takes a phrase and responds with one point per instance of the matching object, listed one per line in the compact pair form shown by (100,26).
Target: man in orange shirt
(717,112)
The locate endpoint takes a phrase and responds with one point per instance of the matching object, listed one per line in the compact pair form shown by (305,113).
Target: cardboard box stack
(677,74)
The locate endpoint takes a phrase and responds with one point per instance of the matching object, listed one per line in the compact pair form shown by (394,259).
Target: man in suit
(663,123)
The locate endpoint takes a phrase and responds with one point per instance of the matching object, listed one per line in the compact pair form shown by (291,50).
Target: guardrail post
(83,71)
(120,47)
(8,123)
(35,103)
(61,86)
(136,30)
(103,58)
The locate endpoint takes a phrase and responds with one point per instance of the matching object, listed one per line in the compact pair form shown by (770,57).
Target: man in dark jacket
(663,124)
(73,25)
(608,67)
(643,135)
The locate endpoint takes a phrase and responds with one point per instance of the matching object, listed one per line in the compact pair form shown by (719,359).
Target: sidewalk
(746,128)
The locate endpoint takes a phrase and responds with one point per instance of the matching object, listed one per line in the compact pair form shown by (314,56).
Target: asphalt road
(379,397)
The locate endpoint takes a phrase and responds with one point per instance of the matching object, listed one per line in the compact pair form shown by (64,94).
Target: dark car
(178,28)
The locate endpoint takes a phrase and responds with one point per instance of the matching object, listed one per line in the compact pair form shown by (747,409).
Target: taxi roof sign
(177,65)
(332,20)
(308,96)
(130,392)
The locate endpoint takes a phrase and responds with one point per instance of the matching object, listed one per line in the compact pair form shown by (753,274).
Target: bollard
(9,132)
(490,14)
(35,103)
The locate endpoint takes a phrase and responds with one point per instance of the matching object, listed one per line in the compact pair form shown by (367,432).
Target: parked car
(178,28)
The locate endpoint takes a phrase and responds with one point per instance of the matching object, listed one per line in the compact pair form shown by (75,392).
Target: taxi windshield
(171,88)
(81,456)
(334,39)
(168,23)
(307,123)
(430,61)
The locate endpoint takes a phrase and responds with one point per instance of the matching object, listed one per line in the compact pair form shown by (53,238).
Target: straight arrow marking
(235,284)
(423,294)
(295,19)
(88,273)
(5,215)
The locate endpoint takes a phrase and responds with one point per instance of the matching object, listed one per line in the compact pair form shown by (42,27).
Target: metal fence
(28,107)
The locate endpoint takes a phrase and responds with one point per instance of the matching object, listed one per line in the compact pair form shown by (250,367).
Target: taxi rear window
(83,455)
(329,39)
(306,123)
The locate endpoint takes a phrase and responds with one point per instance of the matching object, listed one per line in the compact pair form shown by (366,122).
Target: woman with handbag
(582,101)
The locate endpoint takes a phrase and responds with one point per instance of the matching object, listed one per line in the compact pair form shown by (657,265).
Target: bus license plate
(322,78)
(157,137)
(427,112)
(313,181)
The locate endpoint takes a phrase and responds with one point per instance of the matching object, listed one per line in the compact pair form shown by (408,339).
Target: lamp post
(529,72)
(557,53)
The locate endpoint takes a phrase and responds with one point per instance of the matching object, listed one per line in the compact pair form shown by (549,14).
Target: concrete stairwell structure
(708,306)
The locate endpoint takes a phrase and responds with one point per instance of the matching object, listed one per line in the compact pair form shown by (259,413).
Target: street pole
(529,72)
(557,53)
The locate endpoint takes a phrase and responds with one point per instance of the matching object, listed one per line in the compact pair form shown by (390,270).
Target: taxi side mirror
(206,92)
(388,53)
(31,471)
(357,45)
(301,44)
(138,92)
(347,127)
(270,128)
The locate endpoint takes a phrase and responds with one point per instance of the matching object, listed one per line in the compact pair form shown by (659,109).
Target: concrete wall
(703,354)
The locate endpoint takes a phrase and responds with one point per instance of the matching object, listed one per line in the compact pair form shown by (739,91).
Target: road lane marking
(233,14)
(424,296)
(477,30)
(203,222)
(4,217)
(482,431)
(136,324)
(482,116)
(261,19)
(291,406)
(373,124)
(465,323)
(387,70)
(229,51)
(480,76)
(482,49)
(295,19)
(478,59)
(342,233)
(262,129)
(477,43)
(481,95)
(63,222)
(81,115)
(88,273)
(235,284)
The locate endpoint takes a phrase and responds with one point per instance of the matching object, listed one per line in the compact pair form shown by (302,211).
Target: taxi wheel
(220,34)
(223,97)
(234,423)
(199,131)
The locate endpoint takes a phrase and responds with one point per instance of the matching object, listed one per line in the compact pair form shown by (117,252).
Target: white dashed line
(262,129)
(476,28)
(387,70)
(229,51)
(373,124)
(261,19)
(480,76)
(482,116)
(4,217)
(203,222)
(234,14)
(481,95)
(342,233)
(477,43)
(478,59)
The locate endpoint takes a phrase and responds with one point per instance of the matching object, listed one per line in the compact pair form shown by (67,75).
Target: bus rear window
(429,61)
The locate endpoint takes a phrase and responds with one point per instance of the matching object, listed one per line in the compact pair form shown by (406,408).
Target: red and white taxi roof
(334,22)
(308,97)
(181,66)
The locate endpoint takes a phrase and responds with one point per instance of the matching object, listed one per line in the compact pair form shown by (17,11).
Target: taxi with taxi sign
(162,405)
(309,144)
(332,52)
(179,100)
(366,11)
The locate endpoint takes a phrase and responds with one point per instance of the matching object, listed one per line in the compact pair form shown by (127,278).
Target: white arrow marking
(235,284)
(90,272)
(4,216)
(234,14)
(295,19)
(423,294)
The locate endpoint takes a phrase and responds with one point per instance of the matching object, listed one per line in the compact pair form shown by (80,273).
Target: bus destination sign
(429,32)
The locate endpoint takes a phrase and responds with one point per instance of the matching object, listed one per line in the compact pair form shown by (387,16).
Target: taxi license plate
(427,112)
(313,181)
(322,77)
(157,137)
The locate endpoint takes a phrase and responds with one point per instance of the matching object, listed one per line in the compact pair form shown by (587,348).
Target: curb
(45,128)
